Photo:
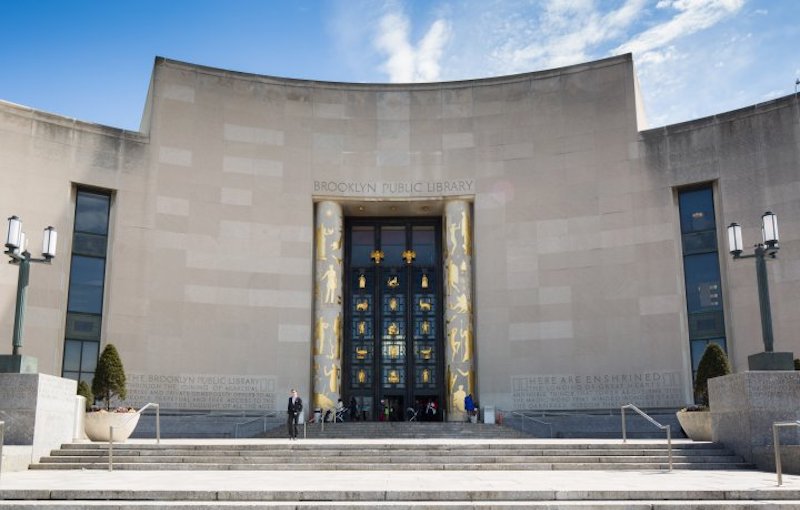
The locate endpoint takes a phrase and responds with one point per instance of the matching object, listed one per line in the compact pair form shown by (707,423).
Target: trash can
(317,415)
(488,414)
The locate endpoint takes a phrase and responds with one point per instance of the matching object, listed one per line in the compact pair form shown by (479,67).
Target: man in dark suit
(293,410)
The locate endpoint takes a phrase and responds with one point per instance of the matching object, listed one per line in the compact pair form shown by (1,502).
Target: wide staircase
(456,470)
(394,455)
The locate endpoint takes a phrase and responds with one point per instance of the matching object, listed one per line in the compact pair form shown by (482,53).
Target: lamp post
(17,250)
(767,248)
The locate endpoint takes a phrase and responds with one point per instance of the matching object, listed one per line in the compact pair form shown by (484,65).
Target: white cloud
(693,15)
(404,62)
(564,33)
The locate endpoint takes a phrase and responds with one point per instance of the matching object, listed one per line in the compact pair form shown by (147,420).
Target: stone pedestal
(743,408)
(18,364)
(771,361)
(38,410)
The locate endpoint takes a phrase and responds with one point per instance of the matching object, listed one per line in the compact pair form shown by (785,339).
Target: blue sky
(92,59)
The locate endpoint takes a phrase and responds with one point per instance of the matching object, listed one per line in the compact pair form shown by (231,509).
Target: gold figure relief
(452,244)
(393,377)
(425,328)
(393,282)
(362,306)
(331,280)
(409,256)
(424,305)
(461,305)
(469,376)
(458,398)
(336,339)
(466,344)
(337,244)
(361,352)
(455,344)
(362,328)
(362,376)
(424,282)
(393,329)
(393,304)
(426,353)
(333,378)
(394,351)
(452,275)
(319,335)
(465,233)
(322,234)
(377,256)
(362,281)
(426,376)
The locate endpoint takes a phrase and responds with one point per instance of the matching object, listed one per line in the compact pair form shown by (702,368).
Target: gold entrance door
(393,344)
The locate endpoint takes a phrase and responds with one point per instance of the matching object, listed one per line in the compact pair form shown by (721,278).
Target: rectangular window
(86,285)
(701,271)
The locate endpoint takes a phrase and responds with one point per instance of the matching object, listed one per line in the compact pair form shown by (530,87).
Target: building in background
(524,239)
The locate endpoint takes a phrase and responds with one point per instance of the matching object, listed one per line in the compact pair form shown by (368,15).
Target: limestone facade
(578,298)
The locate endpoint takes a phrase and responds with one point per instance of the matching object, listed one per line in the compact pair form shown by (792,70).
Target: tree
(714,363)
(109,378)
(86,392)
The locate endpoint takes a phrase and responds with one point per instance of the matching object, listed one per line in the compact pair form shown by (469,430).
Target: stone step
(463,495)
(518,459)
(400,445)
(416,505)
(392,455)
(563,466)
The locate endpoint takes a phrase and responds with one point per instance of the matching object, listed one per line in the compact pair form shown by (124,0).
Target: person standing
(293,411)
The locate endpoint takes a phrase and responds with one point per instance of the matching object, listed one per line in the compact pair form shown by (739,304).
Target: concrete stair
(393,456)
(554,490)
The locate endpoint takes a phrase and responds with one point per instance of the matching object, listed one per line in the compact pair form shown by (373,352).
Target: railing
(2,438)
(777,441)
(525,416)
(651,420)
(263,418)
(111,431)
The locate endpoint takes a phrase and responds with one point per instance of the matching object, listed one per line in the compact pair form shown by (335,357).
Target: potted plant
(696,420)
(108,384)
(86,392)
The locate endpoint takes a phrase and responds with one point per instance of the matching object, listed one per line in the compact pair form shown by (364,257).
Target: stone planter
(98,423)
(696,424)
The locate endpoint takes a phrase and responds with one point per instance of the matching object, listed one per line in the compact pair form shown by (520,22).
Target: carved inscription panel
(202,391)
(571,391)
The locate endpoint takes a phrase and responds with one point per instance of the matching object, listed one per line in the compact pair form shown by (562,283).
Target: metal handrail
(651,420)
(777,441)
(522,414)
(2,438)
(139,412)
(248,422)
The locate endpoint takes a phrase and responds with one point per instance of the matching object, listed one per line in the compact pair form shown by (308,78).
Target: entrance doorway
(393,364)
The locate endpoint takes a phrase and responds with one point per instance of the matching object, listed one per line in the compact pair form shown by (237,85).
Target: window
(701,271)
(86,285)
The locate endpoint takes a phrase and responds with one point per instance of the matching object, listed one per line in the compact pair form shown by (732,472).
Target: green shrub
(109,377)
(797,364)
(714,363)
(86,392)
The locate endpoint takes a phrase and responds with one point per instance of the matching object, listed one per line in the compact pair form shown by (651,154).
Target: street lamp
(768,247)
(17,250)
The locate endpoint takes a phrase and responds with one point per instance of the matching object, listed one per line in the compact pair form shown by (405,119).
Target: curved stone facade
(577,298)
